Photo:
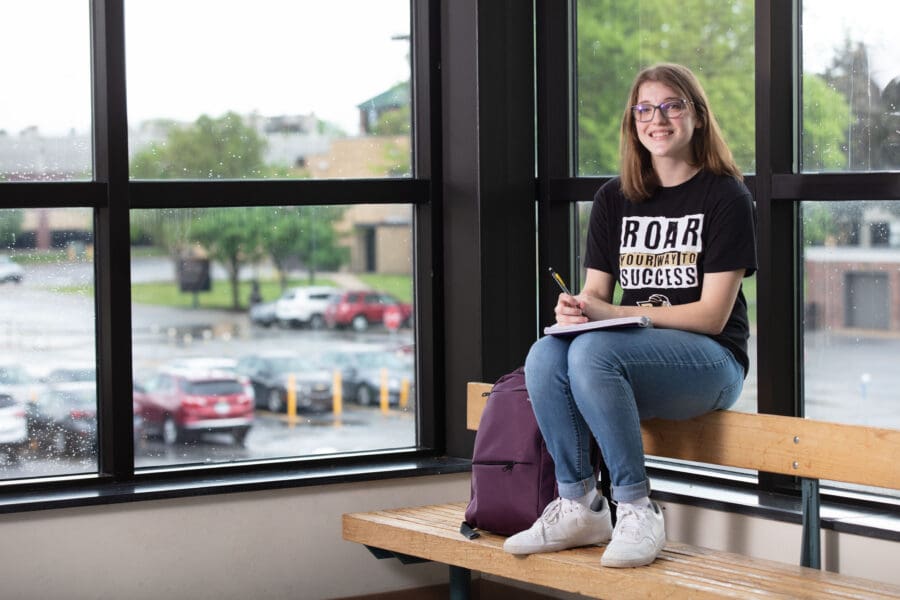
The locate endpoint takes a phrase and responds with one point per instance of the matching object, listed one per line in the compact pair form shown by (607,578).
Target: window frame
(111,194)
(461,287)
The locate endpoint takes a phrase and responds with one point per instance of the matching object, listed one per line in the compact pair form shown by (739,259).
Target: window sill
(880,522)
(91,492)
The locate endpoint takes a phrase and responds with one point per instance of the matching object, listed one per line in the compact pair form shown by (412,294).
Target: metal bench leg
(460,579)
(811,551)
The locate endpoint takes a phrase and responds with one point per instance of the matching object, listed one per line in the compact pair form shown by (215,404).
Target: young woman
(676,231)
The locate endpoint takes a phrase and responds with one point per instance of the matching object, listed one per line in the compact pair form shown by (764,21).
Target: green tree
(304,235)
(849,74)
(616,39)
(222,148)
(824,125)
(393,122)
(168,228)
(10,226)
(397,156)
(232,237)
(210,148)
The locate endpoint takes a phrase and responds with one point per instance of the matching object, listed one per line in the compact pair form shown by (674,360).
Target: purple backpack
(513,478)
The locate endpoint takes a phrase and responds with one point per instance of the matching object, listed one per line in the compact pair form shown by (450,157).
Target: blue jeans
(605,382)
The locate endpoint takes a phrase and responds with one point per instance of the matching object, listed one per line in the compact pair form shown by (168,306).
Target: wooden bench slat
(786,445)
(682,571)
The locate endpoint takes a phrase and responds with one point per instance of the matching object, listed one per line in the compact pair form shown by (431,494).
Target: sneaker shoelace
(630,520)
(553,512)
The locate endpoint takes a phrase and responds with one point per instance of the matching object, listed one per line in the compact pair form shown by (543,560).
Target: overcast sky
(827,23)
(189,57)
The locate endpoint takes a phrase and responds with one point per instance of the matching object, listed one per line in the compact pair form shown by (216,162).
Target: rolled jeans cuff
(631,492)
(572,491)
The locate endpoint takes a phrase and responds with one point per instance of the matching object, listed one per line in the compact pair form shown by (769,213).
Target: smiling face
(667,140)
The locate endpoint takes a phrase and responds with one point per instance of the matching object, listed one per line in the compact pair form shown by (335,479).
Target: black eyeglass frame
(663,107)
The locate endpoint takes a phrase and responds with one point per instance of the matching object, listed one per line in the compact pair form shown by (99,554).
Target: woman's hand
(570,310)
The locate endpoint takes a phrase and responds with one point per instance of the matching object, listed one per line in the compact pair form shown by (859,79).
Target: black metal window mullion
(556,119)
(275,192)
(779,335)
(428,232)
(112,242)
(778,324)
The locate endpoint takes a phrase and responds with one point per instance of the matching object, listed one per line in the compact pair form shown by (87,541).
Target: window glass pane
(48,390)
(249,342)
(45,58)
(851,321)
(617,38)
(289,88)
(851,254)
(747,401)
(851,86)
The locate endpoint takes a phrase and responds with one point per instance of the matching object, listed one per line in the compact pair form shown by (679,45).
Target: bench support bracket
(460,578)
(811,551)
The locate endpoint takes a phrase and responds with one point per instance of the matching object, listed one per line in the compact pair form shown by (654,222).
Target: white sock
(587,499)
(643,502)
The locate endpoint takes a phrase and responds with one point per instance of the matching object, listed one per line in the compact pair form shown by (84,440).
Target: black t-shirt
(659,250)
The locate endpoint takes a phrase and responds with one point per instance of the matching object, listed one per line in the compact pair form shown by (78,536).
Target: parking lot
(41,329)
(850,375)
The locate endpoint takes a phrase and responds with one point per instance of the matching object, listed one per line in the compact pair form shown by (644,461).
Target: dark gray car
(274,374)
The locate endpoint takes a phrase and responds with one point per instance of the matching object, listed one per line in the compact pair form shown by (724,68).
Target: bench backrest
(776,444)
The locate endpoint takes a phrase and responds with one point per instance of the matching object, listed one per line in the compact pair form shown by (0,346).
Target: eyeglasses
(671,109)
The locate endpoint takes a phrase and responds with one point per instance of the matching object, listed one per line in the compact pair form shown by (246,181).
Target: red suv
(359,309)
(178,405)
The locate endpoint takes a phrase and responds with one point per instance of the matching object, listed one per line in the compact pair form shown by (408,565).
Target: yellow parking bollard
(385,398)
(292,400)
(404,392)
(337,400)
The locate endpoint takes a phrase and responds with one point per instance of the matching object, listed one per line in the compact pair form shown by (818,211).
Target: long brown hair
(709,150)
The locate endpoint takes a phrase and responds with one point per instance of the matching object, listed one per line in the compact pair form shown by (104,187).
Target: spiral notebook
(616,323)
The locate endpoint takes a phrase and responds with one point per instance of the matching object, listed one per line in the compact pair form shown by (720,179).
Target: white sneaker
(638,539)
(564,524)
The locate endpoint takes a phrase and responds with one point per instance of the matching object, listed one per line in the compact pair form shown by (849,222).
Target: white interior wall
(287,544)
(250,546)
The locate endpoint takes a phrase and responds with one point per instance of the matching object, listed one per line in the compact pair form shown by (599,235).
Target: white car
(10,271)
(263,313)
(13,427)
(204,363)
(304,306)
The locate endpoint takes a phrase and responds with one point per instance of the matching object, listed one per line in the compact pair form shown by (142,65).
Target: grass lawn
(167,293)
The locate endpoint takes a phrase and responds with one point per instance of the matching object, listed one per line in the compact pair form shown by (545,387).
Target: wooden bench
(810,450)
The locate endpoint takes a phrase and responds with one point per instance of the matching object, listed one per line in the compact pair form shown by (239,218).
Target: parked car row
(365,373)
(320,306)
(274,374)
(184,399)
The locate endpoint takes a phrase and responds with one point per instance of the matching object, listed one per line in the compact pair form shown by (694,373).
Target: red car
(180,405)
(359,309)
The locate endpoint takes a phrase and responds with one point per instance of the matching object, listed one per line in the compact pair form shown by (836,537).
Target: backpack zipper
(507,464)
